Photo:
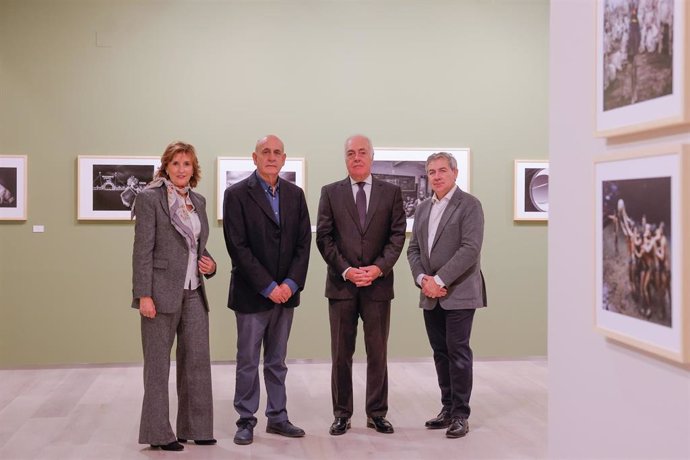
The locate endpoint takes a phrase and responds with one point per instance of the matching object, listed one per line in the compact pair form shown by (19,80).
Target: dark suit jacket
(455,252)
(160,253)
(343,243)
(261,249)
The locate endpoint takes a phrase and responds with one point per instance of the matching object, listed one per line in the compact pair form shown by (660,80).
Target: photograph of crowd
(410,176)
(637,40)
(116,186)
(636,248)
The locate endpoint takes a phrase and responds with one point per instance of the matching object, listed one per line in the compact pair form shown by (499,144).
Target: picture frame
(641,261)
(531,190)
(231,170)
(108,185)
(628,99)
(13,187)
(406,167)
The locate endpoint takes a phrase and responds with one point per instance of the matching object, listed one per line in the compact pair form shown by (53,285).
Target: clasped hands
(431,289)
(206,265)
(280,294)
(363,276)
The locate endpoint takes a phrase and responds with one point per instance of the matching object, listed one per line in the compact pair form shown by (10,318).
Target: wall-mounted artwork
(233,169)
(406,168)
(107,186)
(641,261)
(13,190)
(642,79)
(531,190)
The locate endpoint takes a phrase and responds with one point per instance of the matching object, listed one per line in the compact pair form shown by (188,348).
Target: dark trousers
(194,393)
(344,316)
(272,329)
(449,336)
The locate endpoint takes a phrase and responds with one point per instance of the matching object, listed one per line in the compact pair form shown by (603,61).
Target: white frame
(85,164)
(225,164)
(672,109)
(462,156)
(519,211)
(671,342)
(20,163)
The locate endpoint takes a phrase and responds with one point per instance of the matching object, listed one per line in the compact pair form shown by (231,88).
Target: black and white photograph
(531,200)
(637,248)
(231,170)
(640,214)
(13,191)
(108,186)
(406,168)
(641,65)
(116,186)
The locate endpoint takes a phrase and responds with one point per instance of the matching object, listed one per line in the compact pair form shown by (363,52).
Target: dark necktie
(361,203)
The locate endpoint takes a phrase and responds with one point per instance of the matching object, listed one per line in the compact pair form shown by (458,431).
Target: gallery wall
(125,78)
(606,400)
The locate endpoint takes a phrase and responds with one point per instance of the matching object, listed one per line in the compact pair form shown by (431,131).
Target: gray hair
(371,146)
(448,156)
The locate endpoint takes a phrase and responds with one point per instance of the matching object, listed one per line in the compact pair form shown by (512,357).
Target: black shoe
(285,428)
(174,446)
(340,426)
(200,442)
(458,428)
(380,424)
(245,433)
(441,421)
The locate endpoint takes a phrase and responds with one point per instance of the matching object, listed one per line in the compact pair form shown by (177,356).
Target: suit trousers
(449,336)
(272,328)
(194,392)
(344,316)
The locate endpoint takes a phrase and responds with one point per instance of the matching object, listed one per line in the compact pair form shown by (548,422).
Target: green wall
(127,77)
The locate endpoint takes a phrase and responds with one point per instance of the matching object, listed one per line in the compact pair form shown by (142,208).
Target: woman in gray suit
(169,258)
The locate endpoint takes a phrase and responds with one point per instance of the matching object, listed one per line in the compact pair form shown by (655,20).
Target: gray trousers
(194,393)
(272,328)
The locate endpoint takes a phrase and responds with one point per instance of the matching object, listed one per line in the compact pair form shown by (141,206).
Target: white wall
(605,400)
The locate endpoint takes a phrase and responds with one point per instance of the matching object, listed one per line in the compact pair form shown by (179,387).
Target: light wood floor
(93,413)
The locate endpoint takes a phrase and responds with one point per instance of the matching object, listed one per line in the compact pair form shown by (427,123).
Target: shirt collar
(368,180)
(264,184)
(446,197)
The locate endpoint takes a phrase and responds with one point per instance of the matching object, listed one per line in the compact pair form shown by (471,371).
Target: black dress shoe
(441,421)
(285,428)
(340,426)
(380,424)
(173,446)
(200,442)
(458,428)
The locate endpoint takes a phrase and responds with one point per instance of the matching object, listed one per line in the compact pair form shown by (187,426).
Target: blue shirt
(273,197)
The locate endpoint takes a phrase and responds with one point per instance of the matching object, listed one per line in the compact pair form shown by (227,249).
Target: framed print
(13,190)
(107,185)
(531,190)
(642,65)
(233,169)
(407,169)
(641,261)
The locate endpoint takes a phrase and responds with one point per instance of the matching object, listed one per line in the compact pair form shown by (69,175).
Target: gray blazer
(455,253)
(159,258)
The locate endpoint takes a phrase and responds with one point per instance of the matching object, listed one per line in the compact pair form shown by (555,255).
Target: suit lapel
(424,212)
(349,200)
(258,195)
(163,196)
(374,201)
(450,209)
(201,212)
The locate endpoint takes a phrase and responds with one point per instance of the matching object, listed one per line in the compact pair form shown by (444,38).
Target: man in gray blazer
(360,234)
(268,235)
(444,256)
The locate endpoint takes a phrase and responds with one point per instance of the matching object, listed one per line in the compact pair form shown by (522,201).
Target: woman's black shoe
(174,446)
(200,442)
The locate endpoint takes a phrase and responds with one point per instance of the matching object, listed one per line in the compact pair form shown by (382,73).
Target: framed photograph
(531,190)
(233,169)
(407,169)
(642,65)
(13,189)
(107,185)
(641,261)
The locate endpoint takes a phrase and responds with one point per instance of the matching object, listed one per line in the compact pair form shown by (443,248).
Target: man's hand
(431,289)
(278,295)
(372,271)
(358,276)
(147,307)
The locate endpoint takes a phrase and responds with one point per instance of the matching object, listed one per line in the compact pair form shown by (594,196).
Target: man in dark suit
(360,234)
(268,235)
(444,255)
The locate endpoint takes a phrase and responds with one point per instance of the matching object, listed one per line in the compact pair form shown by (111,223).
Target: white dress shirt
(437,209)
(367,191)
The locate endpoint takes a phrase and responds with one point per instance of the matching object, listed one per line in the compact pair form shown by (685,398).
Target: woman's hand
(146,307)
(206,265)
